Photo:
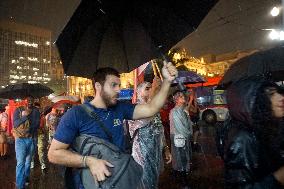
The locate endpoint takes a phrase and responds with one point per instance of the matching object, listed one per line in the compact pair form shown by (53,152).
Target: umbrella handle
(159,71)
(154,68)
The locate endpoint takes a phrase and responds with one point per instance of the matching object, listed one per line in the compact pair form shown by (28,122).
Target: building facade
(58,80)
(25,54)
(79,86)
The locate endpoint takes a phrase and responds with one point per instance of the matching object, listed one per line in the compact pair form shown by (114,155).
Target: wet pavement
(207,172)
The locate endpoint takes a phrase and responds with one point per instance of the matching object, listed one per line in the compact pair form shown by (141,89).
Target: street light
(273,35)
(281,35)
(277,34)
(275,11)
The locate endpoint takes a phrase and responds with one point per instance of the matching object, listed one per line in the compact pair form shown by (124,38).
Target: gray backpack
(126,173)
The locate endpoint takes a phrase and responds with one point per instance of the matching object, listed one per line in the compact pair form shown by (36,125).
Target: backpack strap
(93,114)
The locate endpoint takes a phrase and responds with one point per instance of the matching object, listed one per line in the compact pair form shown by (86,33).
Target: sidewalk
(207,171)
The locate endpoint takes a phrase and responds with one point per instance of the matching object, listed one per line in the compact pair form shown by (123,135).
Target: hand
(168,156)
(169,71)
(26,112)
(98,168)
(279,175)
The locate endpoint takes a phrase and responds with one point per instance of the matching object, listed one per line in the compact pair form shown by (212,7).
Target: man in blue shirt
(106,83)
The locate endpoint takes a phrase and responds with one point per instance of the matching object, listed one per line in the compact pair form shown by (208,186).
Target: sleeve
(240,162)
(18,119)
(177,120)
(128,110)
(68,127)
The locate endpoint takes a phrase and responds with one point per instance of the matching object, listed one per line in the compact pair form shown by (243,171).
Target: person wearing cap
(254,146)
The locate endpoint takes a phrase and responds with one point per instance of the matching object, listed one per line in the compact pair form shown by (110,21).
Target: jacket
(247,162)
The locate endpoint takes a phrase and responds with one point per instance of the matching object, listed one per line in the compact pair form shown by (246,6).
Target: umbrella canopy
(124,33)
(268,63)
(62,103)
(23,90)
(188,77)
(65,98)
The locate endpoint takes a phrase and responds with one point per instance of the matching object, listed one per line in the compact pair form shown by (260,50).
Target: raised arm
(147,110)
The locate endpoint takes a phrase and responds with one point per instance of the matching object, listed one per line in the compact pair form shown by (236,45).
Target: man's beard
(108,99)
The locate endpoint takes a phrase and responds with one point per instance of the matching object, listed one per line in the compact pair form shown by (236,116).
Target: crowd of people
(155,130)
(33,129)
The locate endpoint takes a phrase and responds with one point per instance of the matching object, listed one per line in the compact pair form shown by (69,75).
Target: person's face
(180,100)
(54,111)
(145,92)
(30,102)
(110,90)
(277,103)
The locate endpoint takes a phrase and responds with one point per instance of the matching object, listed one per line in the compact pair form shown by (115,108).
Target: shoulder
(242,144)
(19,110)
(75,111)
(124,107)
(124,104)
(36,110)
(242,138)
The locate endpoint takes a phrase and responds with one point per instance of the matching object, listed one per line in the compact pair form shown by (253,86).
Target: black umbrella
(125,33)
(23,90)
(268,63)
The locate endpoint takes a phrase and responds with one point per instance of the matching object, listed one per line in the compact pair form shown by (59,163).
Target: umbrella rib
(124,51)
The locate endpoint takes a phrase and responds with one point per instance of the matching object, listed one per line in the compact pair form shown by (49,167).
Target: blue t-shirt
(77,121)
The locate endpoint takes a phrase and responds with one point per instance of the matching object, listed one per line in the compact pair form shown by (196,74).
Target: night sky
(49,14)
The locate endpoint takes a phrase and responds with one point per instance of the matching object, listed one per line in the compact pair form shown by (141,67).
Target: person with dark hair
(111,113)
(42,137)
(254,147)
(25,124)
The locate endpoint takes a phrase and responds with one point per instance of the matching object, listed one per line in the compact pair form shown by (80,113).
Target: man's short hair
(30,96)
(101,74)
(37,104)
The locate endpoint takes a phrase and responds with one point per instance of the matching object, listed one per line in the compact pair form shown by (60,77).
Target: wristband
(84,164)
